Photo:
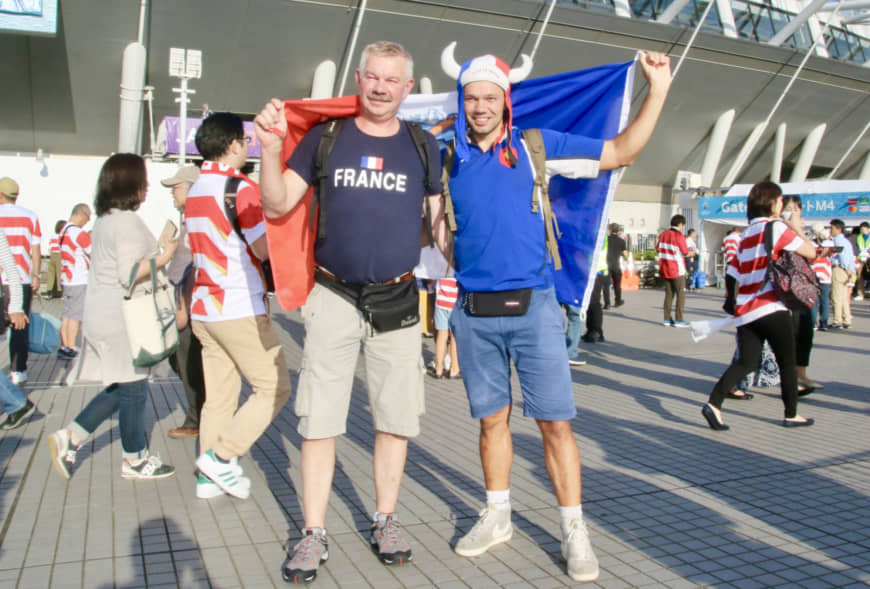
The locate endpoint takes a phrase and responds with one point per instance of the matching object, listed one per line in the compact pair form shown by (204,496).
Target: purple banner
(171,125)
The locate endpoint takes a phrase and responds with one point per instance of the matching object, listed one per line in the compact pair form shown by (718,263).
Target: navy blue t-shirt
(374,201)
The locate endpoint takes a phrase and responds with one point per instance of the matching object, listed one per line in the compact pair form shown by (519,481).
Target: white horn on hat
(518,74)
(448,62)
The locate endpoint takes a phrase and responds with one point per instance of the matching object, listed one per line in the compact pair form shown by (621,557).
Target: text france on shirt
(371,175)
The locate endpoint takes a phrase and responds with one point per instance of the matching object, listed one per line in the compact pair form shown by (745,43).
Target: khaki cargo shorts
(334,332)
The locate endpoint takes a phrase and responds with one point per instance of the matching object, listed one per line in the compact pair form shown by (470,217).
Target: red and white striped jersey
(822,265)
(446,293)
(729,246)
(22,232)
(75,255)
(228,284)
(54,244)
(672,248)
(755,295)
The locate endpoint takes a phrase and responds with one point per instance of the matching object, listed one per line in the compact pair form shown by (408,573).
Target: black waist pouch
(387,307)
(503,303)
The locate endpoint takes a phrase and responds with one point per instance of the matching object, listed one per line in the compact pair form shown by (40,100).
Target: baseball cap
(9,187)
(185,174)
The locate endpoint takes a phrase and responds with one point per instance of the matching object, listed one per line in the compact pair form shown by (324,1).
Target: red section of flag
(290,238)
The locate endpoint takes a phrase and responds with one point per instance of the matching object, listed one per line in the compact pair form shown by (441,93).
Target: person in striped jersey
(52,285)
(24,236)
(822,268)
(730,244)
(760,315)
(672,249)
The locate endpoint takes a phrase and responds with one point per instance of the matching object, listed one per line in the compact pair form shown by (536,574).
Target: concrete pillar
(323,83)
(745,151)
(778,153)
(622,8)
(132,91)
(671,12)
(865,169)
(717,144)
(726,17)
(808,154)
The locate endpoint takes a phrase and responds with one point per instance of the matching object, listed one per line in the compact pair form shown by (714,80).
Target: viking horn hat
(485,67)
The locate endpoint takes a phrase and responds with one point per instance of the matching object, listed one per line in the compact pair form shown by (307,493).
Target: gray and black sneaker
(150,467)
(16,418)
(308,554)
(388,540)
(63,452)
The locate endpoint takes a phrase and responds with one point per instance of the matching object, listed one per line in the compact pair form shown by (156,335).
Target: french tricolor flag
(372,163)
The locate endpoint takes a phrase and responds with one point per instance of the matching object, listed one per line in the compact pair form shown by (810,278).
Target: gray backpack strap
(538,155)
(446,167)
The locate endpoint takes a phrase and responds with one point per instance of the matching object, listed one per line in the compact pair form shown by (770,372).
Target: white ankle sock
(569,513)
(499,499)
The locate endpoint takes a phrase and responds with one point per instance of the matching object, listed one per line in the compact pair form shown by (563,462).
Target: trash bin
(700,280)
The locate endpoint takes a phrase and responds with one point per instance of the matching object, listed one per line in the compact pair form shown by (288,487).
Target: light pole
(184,64)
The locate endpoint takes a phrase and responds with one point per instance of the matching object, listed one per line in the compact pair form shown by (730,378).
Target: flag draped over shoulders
(290,238)
(593,102)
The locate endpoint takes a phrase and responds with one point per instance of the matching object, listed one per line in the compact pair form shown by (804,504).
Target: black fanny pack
(503,303)
(386,307)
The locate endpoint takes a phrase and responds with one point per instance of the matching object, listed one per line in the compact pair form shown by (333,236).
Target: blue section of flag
(589,102)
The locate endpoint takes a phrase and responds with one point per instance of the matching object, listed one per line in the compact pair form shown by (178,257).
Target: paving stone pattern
(669,502)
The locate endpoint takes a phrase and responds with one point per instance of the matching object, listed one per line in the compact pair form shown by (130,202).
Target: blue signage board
(827,206)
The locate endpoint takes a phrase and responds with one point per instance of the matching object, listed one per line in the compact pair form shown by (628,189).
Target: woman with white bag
(120,241)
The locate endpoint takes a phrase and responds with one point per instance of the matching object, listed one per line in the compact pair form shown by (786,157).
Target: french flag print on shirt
(372,163)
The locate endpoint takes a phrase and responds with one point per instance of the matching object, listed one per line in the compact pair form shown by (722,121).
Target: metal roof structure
(61,91)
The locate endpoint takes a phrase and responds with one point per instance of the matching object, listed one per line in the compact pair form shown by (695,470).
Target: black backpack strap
(421,143)
(321,175)
(231,193)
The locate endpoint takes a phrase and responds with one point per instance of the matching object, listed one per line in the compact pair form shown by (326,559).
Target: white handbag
(149,315)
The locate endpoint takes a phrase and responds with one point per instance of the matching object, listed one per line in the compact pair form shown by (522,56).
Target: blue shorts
(442,318)
(536,344)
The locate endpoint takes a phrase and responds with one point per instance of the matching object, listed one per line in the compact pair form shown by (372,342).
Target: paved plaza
(669,502)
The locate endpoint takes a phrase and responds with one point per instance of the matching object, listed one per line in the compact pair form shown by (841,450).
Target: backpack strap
(231,193)
(446,167)
(317,214)
(538,155)
(421,143)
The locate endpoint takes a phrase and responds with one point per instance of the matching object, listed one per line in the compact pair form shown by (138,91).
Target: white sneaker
(206,489)
(227,476)
(493,527)
(577,551)
(18,377)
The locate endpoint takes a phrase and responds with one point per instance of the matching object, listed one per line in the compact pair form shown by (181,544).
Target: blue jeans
(129,399)
(575,327)
(820,313)
(11,396)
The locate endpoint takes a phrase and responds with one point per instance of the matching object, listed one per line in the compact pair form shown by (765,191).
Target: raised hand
(271,126)
(657,70)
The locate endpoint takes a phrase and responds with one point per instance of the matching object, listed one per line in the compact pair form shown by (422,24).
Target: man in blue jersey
(507,308)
